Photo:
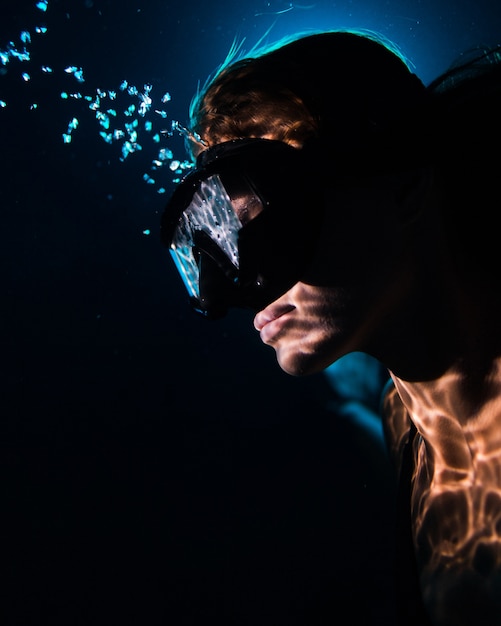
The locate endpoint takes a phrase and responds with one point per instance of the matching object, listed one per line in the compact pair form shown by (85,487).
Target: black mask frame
(225,258)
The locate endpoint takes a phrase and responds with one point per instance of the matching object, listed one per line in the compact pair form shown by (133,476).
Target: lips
(271,314)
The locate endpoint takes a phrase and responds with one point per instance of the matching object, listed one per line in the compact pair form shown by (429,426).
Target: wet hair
(344,89)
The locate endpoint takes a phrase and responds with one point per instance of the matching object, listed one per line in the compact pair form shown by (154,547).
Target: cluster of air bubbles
(129,126)
(141,119)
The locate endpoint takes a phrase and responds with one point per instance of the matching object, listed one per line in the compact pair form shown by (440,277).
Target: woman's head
(345,181)
(332,102)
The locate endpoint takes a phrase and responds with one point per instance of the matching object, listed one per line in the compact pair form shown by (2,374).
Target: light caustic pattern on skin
(143,118)
(456,491)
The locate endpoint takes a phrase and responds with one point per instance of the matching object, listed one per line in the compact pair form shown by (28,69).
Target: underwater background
(157,468)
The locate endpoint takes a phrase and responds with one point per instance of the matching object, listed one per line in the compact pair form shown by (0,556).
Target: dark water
(156,468)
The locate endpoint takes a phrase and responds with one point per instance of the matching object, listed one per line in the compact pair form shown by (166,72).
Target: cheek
(359,234)
(315,333)
(317,306)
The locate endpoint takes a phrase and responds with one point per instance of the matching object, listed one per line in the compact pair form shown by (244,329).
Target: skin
(404,303)
(373,272)
(383,283)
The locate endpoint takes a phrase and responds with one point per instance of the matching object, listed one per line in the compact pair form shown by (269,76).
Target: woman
(350,206)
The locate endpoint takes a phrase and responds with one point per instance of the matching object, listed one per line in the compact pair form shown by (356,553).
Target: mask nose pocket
(218,277)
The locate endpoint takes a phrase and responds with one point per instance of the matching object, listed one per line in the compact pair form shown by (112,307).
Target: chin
(299,364)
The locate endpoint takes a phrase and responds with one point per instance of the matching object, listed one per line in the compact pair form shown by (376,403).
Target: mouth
(269,321)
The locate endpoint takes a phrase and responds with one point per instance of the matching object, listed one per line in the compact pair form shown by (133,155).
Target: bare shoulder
(455,491)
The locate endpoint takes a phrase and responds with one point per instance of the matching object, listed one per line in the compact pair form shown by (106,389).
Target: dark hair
(463,127)
(344,89)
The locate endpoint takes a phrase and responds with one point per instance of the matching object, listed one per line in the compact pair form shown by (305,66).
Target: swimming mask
(240,225)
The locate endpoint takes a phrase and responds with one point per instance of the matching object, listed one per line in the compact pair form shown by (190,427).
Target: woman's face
(351,288)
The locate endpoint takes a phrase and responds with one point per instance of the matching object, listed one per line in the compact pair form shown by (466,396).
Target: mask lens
(210,212)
